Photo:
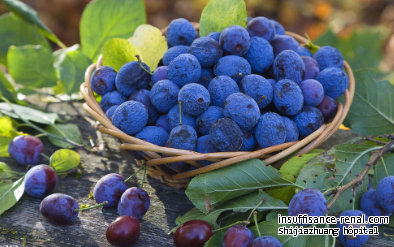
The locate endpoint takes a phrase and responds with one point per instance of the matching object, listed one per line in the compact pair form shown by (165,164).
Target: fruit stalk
(372,161)
(88,208)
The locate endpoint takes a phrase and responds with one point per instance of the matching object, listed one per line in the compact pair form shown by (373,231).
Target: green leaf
(293,166)
(380,171)
(18,33)
(29,113)
(282,193)
(32,66)
(219,14)
(150,43)
(27,13)
(70,131)
(7,134)
(71,67)
(103,20)
(230,217)
(372,112)
(5,170)
(117,52)
(64,159)
(216,240)
(195,213)
(6,89)
(206,190)
(10,193)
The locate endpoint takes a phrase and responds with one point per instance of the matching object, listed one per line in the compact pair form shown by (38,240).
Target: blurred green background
(361,29)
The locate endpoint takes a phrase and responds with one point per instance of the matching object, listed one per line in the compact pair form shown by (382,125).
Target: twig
(376,141)
(372,161)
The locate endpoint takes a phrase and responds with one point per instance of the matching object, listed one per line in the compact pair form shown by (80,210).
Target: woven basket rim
(220,159)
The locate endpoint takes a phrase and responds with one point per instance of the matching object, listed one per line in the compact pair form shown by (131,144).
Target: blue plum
(270,130)
(143,96)
(261,27)
(102,80)
(130,117)
(134,202)
(226,135)
(206,120)
(40,181)
(59,208)
(260,55)
(109,188)
(233,66)
(243,109)
(132,77)
(308,120)
(206,50)
(234,40)
(258,88)
(159,74)
(288,98)
(289,65)
(194,98)
(220,88)
(180,32)
(205,145)
(313,92)
(184,69)
(164,95)
(26,150)
(111,99)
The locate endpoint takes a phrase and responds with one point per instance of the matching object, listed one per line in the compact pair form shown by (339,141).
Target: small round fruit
(308,120)
(102,80)
(180,32)
(194,233)
(308,201)
(59,208)
(270,130)
(40,181)
(195,99)
(313,92)
(134,202)
(261,27)
(226,135)
(235,40)
(26,150)
(238,236)
(130,117)
(370,206)
(109,188)
(266,241)
(385,193)
(328,107)
(350,240)
(124,231)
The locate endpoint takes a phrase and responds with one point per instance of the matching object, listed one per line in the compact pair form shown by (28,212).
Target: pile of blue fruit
(241,89)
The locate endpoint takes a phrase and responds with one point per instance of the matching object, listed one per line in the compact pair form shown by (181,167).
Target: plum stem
(180,112)
(140,63)
(254,209)
(135,173)
(233,224)
(45,156)
(88,208)
(143,178)
(255,222)
(384,165)
(312,47)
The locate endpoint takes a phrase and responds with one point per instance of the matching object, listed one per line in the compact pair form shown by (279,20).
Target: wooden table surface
(25,221)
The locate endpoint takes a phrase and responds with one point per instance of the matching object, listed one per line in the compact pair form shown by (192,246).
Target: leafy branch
(376,156)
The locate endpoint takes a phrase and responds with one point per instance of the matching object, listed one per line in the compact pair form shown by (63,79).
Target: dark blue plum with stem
(261,27)
(184,69)
(164,95)
(283,42)
(327,57)
(249,141)
(235,40)
(111,99)
(205,121)
(206,77)
(134,202)
(194,98)
(258,88)
(311,67)
(132,77)
(238,236)
(154,135)
(289,65)
(234,67)
(266,241)
(173,52)
(159,74)
(334,81)
(130,117)
(143,96)
(26,150)
(350,240)
(226,135)
(328,107)
(270,130)
(102,80)
(260,55)
(109,188)
(288,98)
(183,137)
(220,88)
(59,208)
(40,181)
(308,120)
(279,29)
(308,201)
(292,133)
(173,118)
(180,32)
(385,193)
(162,122)
(204,146)
(303,51)
(313,92)
(206,50)
(370,206)
(215,36)
(110,112)
(243,109)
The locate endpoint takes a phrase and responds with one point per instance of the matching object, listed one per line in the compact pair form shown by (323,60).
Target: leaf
(282,193)
(293,166)
(7,134)
(6,89)
(230,217)
(18,33)
(103,20)
(72,66)
(5,170)
(372,110)
(150,43)
(117,52)
(380,171)
(195,213)
(31,66)
(64,159)
(29,113)
(206,190)
(219,14)
(27,13)
(361,49)
(70,131)
(10,193)
(216,240)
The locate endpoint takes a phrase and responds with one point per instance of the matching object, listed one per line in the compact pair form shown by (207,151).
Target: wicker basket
(221,159)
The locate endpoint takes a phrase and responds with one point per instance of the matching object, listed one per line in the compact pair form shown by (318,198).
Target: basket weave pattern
(178,179)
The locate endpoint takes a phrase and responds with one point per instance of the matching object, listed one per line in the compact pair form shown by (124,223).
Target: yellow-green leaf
(64,159)
(150,43)
(117,52)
